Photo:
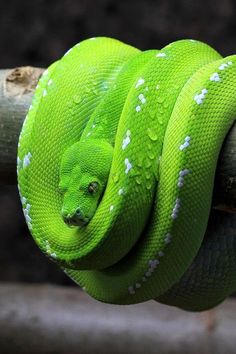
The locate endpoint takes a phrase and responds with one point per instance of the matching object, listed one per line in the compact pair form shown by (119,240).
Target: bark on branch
(16,90)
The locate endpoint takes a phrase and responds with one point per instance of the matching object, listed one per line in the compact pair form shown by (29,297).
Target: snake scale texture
(116,165)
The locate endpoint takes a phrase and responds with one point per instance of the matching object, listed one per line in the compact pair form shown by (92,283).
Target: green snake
(116,164)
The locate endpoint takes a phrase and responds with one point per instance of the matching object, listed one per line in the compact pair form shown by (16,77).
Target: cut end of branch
(22,80)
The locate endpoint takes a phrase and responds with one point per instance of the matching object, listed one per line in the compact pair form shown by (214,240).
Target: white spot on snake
(215,77)
(45,93)
(121,191)
(53,255)
(26,160)
(142,98)
(49,82)
(23,200)
(157,87)
(168,238)
(198,98)
(161,254)
(48,247)
(176,208)
(131,290)
(177,202)
(30,107)
(111,207)
(128,165)
(138,108)
(26,211)
(186,143)
(28,218)
(153,264)
(126,140)
(28,206)
(174,216)
(93,126)
(182,174)
(225,65)
(161,55)
(140,82)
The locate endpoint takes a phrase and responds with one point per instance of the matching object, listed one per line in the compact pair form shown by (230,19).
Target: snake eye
(93,187)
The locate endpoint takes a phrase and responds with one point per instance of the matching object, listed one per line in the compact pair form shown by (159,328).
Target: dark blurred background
(38,32)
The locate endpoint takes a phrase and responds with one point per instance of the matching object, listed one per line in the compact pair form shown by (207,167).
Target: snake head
(84,172)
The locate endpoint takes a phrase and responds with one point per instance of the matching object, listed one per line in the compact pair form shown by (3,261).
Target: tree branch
(16,90)
(53,319)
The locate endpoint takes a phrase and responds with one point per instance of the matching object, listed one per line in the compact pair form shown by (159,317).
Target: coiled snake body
(116,166)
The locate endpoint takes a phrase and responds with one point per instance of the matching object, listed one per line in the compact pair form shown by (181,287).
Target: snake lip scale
(116,163)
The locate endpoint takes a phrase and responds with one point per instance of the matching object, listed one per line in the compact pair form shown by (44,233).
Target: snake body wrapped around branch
(116,165)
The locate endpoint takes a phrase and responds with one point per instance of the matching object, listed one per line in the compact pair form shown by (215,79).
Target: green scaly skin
(116,166)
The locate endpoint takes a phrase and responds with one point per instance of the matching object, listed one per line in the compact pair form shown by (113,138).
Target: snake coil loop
(116,166)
